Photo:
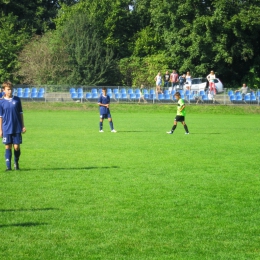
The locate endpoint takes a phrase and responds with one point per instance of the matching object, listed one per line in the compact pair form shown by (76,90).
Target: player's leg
(17,153)
(185,127)
(8,156)
(174,126)
(111,124)
(101,123)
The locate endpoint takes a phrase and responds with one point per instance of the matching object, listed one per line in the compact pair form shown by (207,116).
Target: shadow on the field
(25,224)
(36,209)
(69,169)
(206,133)
(134,131)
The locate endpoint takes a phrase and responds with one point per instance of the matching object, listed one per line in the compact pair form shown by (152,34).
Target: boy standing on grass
(181,112)
(103,102)
(11,125)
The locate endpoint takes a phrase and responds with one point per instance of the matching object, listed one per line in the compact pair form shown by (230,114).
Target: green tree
(12,40)
(91,62)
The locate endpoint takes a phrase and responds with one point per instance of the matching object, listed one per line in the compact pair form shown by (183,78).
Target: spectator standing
(166,79)
(182,81)
(142,94)
(11,125)
(188,80)
(212,88)
(158,80)
(174,78)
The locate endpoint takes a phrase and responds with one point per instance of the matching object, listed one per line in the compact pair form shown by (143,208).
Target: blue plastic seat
(34,95)
(80,94)
(95,95)
(130,91)
(146,91)
(94,90)
(74,95)
(152,91)
(80,90)
(19,94)
(152,96)
(40,95)
(34,90)
(117,95)
(115,90)
(161,96)
(132,96)
(27,90)
(123,91)
(88,95)
(124,96)
(72,90)
(137,91)
(232,98)
(167,97)
(26,95)
(247,98)
(202,92)
(230,92)
(42,90)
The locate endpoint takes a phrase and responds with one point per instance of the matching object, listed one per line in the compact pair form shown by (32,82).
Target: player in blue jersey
(103,102)
(11,125)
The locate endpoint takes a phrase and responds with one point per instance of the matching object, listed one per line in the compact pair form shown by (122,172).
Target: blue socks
(111,125)
(8,158)
(100,125)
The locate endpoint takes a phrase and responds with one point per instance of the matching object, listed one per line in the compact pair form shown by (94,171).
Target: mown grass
(136,194)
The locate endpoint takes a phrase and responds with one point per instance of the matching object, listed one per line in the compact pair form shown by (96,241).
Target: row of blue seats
(237,93)
(30,95)
(28,90)
(134,96)
(110,92)
(247,98)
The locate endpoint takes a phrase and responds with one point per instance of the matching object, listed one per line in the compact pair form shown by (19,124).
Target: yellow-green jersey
(179,107)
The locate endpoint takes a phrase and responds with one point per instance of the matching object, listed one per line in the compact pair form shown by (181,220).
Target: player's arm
(182,107)
(1,129)
(103,105)
(23,127)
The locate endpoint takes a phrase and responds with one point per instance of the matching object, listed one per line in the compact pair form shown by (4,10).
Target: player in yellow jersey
(181,113)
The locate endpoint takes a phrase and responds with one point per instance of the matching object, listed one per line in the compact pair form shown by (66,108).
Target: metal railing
(78,93)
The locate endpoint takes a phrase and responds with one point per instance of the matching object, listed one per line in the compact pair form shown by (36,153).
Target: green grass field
(135,194)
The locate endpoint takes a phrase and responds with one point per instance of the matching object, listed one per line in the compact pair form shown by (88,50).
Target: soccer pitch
(135,194)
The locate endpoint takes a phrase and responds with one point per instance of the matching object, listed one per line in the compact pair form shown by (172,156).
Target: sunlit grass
(136,194)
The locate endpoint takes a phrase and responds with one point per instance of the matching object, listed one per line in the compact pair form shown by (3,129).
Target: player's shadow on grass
(69,169)
(36,209)
(25,224)
(206,133)
(134,131)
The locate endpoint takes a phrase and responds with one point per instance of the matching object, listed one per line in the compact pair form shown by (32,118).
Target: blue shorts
(105,116)
(12,139)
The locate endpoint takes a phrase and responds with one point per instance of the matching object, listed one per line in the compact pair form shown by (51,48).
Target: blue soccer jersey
(104,100)
(10,112)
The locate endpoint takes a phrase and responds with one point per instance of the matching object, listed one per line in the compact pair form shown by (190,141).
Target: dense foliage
(104,42)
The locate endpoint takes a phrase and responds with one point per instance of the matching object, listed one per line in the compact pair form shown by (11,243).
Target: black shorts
(179,118)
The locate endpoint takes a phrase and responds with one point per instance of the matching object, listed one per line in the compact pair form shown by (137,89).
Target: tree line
(126,42)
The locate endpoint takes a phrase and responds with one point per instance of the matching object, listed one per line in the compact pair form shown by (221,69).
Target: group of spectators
(172,81)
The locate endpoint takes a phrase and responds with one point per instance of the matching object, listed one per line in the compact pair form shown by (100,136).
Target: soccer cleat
(187,133)
(8,169)
(101,131)
(113,131)
(16,166)
(170,132)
